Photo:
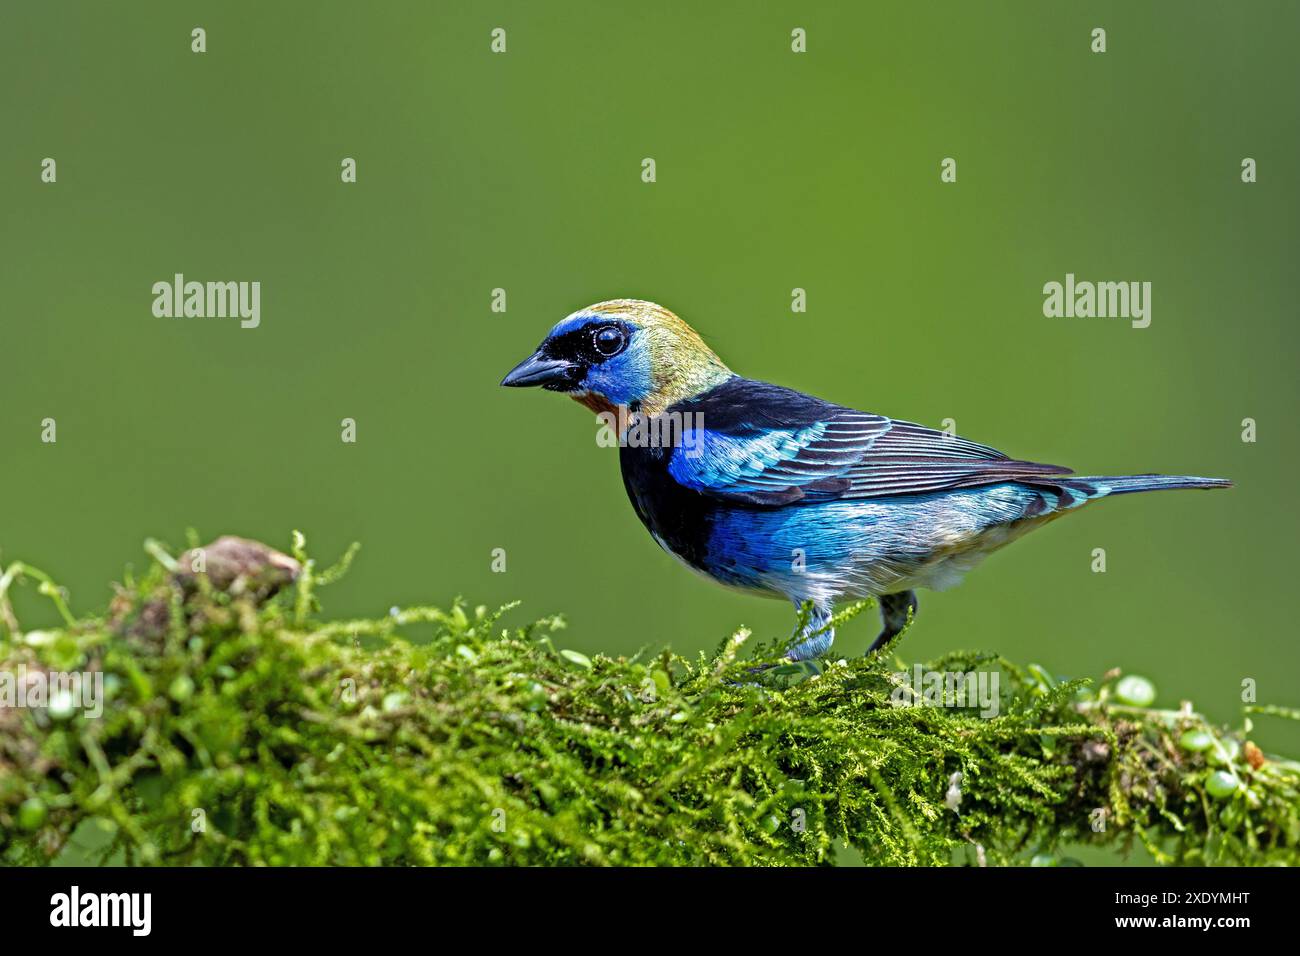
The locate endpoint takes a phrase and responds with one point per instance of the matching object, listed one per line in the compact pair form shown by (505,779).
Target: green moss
(240,728)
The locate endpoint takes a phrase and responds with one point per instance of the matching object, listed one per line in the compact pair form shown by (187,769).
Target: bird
(771,491)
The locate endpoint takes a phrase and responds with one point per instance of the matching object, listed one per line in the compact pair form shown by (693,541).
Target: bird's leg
(896,610)
(816,644)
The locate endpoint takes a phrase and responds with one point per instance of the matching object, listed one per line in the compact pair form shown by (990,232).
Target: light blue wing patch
(748,466)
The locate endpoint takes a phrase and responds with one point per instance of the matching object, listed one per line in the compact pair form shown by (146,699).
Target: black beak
(537,369)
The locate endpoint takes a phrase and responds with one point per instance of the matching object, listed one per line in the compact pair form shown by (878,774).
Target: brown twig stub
(239,567)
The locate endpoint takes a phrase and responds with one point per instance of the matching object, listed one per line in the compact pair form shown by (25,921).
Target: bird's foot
(897,611)
(814,637)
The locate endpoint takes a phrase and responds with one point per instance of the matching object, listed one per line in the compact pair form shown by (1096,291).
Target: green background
(775,171)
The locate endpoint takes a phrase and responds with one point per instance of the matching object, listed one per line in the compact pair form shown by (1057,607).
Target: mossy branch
(240,728)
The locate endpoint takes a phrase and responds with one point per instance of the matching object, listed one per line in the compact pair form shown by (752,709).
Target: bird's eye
(608,341)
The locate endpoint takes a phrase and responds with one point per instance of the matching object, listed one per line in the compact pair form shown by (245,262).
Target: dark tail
(1101,486)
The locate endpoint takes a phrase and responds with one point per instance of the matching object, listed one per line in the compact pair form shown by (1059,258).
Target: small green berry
(1221,785)
(182,688)
(1135,691)
(62,705)
(32,813)
(1196,741)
